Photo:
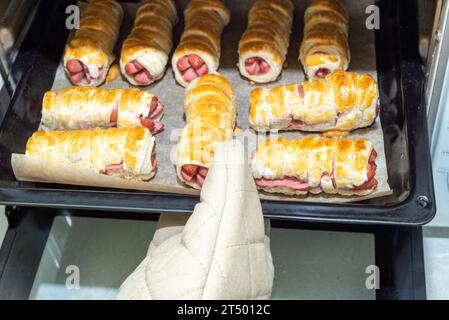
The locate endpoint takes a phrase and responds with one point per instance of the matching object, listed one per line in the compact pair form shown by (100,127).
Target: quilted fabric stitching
(216,237)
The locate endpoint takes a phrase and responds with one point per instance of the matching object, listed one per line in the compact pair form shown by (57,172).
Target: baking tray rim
(283,209)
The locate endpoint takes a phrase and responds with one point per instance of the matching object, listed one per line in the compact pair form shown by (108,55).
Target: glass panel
(436,257)
(308,264)
(105,251)
(321,264)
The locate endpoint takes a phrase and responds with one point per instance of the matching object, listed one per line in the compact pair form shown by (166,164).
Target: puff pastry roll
(127,153)
(145,51)
(88,56)
(315,165)
(76,108)
(344,101)
(198,52)
(325,47)
(264,45)
(210,113)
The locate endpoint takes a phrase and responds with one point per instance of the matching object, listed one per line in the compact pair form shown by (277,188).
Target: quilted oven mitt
(221,252)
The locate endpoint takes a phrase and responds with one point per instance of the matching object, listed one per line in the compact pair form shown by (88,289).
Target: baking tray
(403,120)
(363,52)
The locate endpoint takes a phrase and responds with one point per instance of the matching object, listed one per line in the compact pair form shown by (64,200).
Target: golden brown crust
(152,29)
(344,101)
(204,24)
(98,33)
(267,36)
(325,43)
(315,161)
(97,149)
(210,114)
(76,108)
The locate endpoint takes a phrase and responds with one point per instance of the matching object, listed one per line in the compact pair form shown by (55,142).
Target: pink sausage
(189,75)
(114,168)
(253,69)
(188,171)
(301,91)
(200,179)
(158,126)
(77,77)
(322,73)
(201,71)
(74,66)
(183,64)
(185,176)
(152,125)
(114,116)
(195,61)
(191,67)
(153,158)
(133,67)
(264,67)
(256,66)
(203,171)
(296,124)
(156,111)
(143,77)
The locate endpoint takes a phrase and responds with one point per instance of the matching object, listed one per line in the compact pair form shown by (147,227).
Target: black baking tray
(403,117)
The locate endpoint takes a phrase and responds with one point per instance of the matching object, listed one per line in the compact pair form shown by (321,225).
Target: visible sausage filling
(191,67)
(78,71)
(138,72)
(297,124)
(117,169)
(256,66)
(322,73)
(191,172)
(297,184)
(154,126)
(286,182)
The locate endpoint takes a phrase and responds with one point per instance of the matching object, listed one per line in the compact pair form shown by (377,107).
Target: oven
(338,247)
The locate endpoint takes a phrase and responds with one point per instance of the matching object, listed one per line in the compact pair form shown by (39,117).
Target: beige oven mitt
(222,251)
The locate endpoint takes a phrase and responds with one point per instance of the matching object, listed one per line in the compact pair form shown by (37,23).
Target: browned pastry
(88,56)
(210,113)
(344,101)
(325,47)
(315,164)
(198,52)
(126,153)
(264,45)
(145,51)
(77,108)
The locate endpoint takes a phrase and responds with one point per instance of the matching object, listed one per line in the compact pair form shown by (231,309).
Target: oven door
(74,254)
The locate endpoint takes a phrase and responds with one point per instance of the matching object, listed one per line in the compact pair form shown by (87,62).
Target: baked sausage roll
(88,56)
(210,114)
(344,101)
(145,50)
(198,52)
(126,153)
(77,108)
(264,45)
(325,47)
(315,164)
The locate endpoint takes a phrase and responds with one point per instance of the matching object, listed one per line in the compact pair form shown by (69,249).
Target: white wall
(3,224)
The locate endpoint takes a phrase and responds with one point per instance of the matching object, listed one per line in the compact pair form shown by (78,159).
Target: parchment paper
(362,43)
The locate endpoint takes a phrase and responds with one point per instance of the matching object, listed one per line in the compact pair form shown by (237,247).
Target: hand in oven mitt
(222,252)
